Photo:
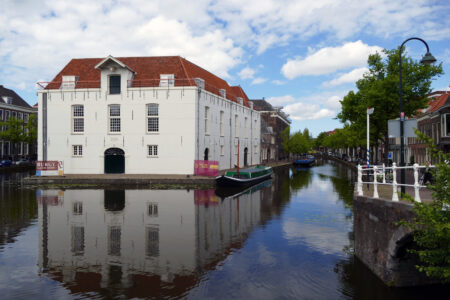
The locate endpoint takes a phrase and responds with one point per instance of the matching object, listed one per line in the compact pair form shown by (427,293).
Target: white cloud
(329,60)
(333,103)
(304,111)
(277,101)
(246,73)
(326,240)
(258,80)
(278,82)
(350,77)
(36,41)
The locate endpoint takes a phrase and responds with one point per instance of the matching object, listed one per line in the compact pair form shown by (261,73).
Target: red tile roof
(434,105)
(148,70)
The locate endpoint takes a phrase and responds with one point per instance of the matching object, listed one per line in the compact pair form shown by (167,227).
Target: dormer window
(240,100)
(68,82)
(200,83)
(7,100)
(167,80)
(114,84)
(223,93)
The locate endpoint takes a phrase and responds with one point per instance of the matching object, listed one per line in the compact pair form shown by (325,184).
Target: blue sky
(303,55)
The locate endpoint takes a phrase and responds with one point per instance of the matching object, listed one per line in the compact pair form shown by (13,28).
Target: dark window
(114,84)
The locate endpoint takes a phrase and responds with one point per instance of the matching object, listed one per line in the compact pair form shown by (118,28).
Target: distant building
(273,122)
(12,105)
(144,115)
(434,121)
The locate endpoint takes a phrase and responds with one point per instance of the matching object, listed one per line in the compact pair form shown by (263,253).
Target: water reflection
(129,240)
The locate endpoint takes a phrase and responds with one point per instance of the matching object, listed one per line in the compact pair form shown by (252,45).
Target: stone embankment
(382,244)
(138,180)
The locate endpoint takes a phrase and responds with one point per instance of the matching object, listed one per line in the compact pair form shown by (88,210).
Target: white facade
(183,130)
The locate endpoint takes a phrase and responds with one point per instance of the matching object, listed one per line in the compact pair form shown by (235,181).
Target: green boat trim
(249,173)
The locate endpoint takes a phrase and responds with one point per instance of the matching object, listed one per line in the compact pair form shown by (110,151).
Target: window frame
(111,86)
(77,118)
(151,154)
(152,116)
(113,117)
(207,120)
(222,125)
(77,150)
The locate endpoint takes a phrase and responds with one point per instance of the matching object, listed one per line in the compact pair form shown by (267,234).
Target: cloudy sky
(303,55)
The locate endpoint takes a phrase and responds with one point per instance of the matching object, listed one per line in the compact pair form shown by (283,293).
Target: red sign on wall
(206,167)
(47,165)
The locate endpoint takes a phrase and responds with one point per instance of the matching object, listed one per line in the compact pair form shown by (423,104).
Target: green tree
(379,88)
(431,224)
(285,135)
(13,132)
(298,143)
(30,132)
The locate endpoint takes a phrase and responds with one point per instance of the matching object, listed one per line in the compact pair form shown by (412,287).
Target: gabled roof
(16,99)
(110,58)
(147,74)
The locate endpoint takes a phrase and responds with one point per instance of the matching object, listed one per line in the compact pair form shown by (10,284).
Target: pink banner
(47,166)
(206,167)
(205,197)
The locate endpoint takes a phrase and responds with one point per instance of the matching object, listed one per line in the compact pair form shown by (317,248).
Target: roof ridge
(184,69)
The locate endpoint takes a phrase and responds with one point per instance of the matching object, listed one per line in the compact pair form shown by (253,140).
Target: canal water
(288,238)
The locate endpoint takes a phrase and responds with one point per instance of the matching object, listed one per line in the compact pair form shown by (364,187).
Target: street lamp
(427,59)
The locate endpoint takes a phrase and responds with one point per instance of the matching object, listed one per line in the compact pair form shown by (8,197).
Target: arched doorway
(245,156)
(206,154)
(114,161)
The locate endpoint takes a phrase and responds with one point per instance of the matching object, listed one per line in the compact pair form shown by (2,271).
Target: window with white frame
(114,118)
(25,118)
(166,79)
(77,150)
(152,117)
(77,118)
(222,125)
(445,125)
(222,150)
(25,149)
(152,150)
(19,115)
(236,127)
(7,115)
(207,120)
(1,114)
(77,208)
(14,114)
(246,127)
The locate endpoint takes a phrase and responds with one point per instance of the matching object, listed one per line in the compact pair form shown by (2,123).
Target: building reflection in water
(142,243)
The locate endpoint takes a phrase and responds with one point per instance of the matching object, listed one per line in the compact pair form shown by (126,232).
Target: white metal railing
(381,170)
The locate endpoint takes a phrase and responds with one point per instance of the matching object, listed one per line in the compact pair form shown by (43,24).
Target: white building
(144,115)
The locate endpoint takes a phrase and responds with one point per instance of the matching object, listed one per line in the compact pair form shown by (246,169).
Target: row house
(12,105)
(434,121)
(273,122)
(144,115)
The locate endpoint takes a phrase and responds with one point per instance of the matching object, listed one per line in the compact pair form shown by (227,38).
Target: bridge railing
(379,173)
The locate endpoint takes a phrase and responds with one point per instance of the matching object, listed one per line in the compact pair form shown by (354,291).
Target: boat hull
(304,162)
(227,181)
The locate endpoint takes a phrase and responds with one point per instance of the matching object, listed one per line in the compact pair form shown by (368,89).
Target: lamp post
(369,112)
(427,59)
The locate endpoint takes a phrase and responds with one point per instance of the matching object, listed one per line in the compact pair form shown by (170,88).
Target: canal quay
(287,238)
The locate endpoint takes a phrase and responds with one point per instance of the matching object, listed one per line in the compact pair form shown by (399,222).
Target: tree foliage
(379,88)
(431,225)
